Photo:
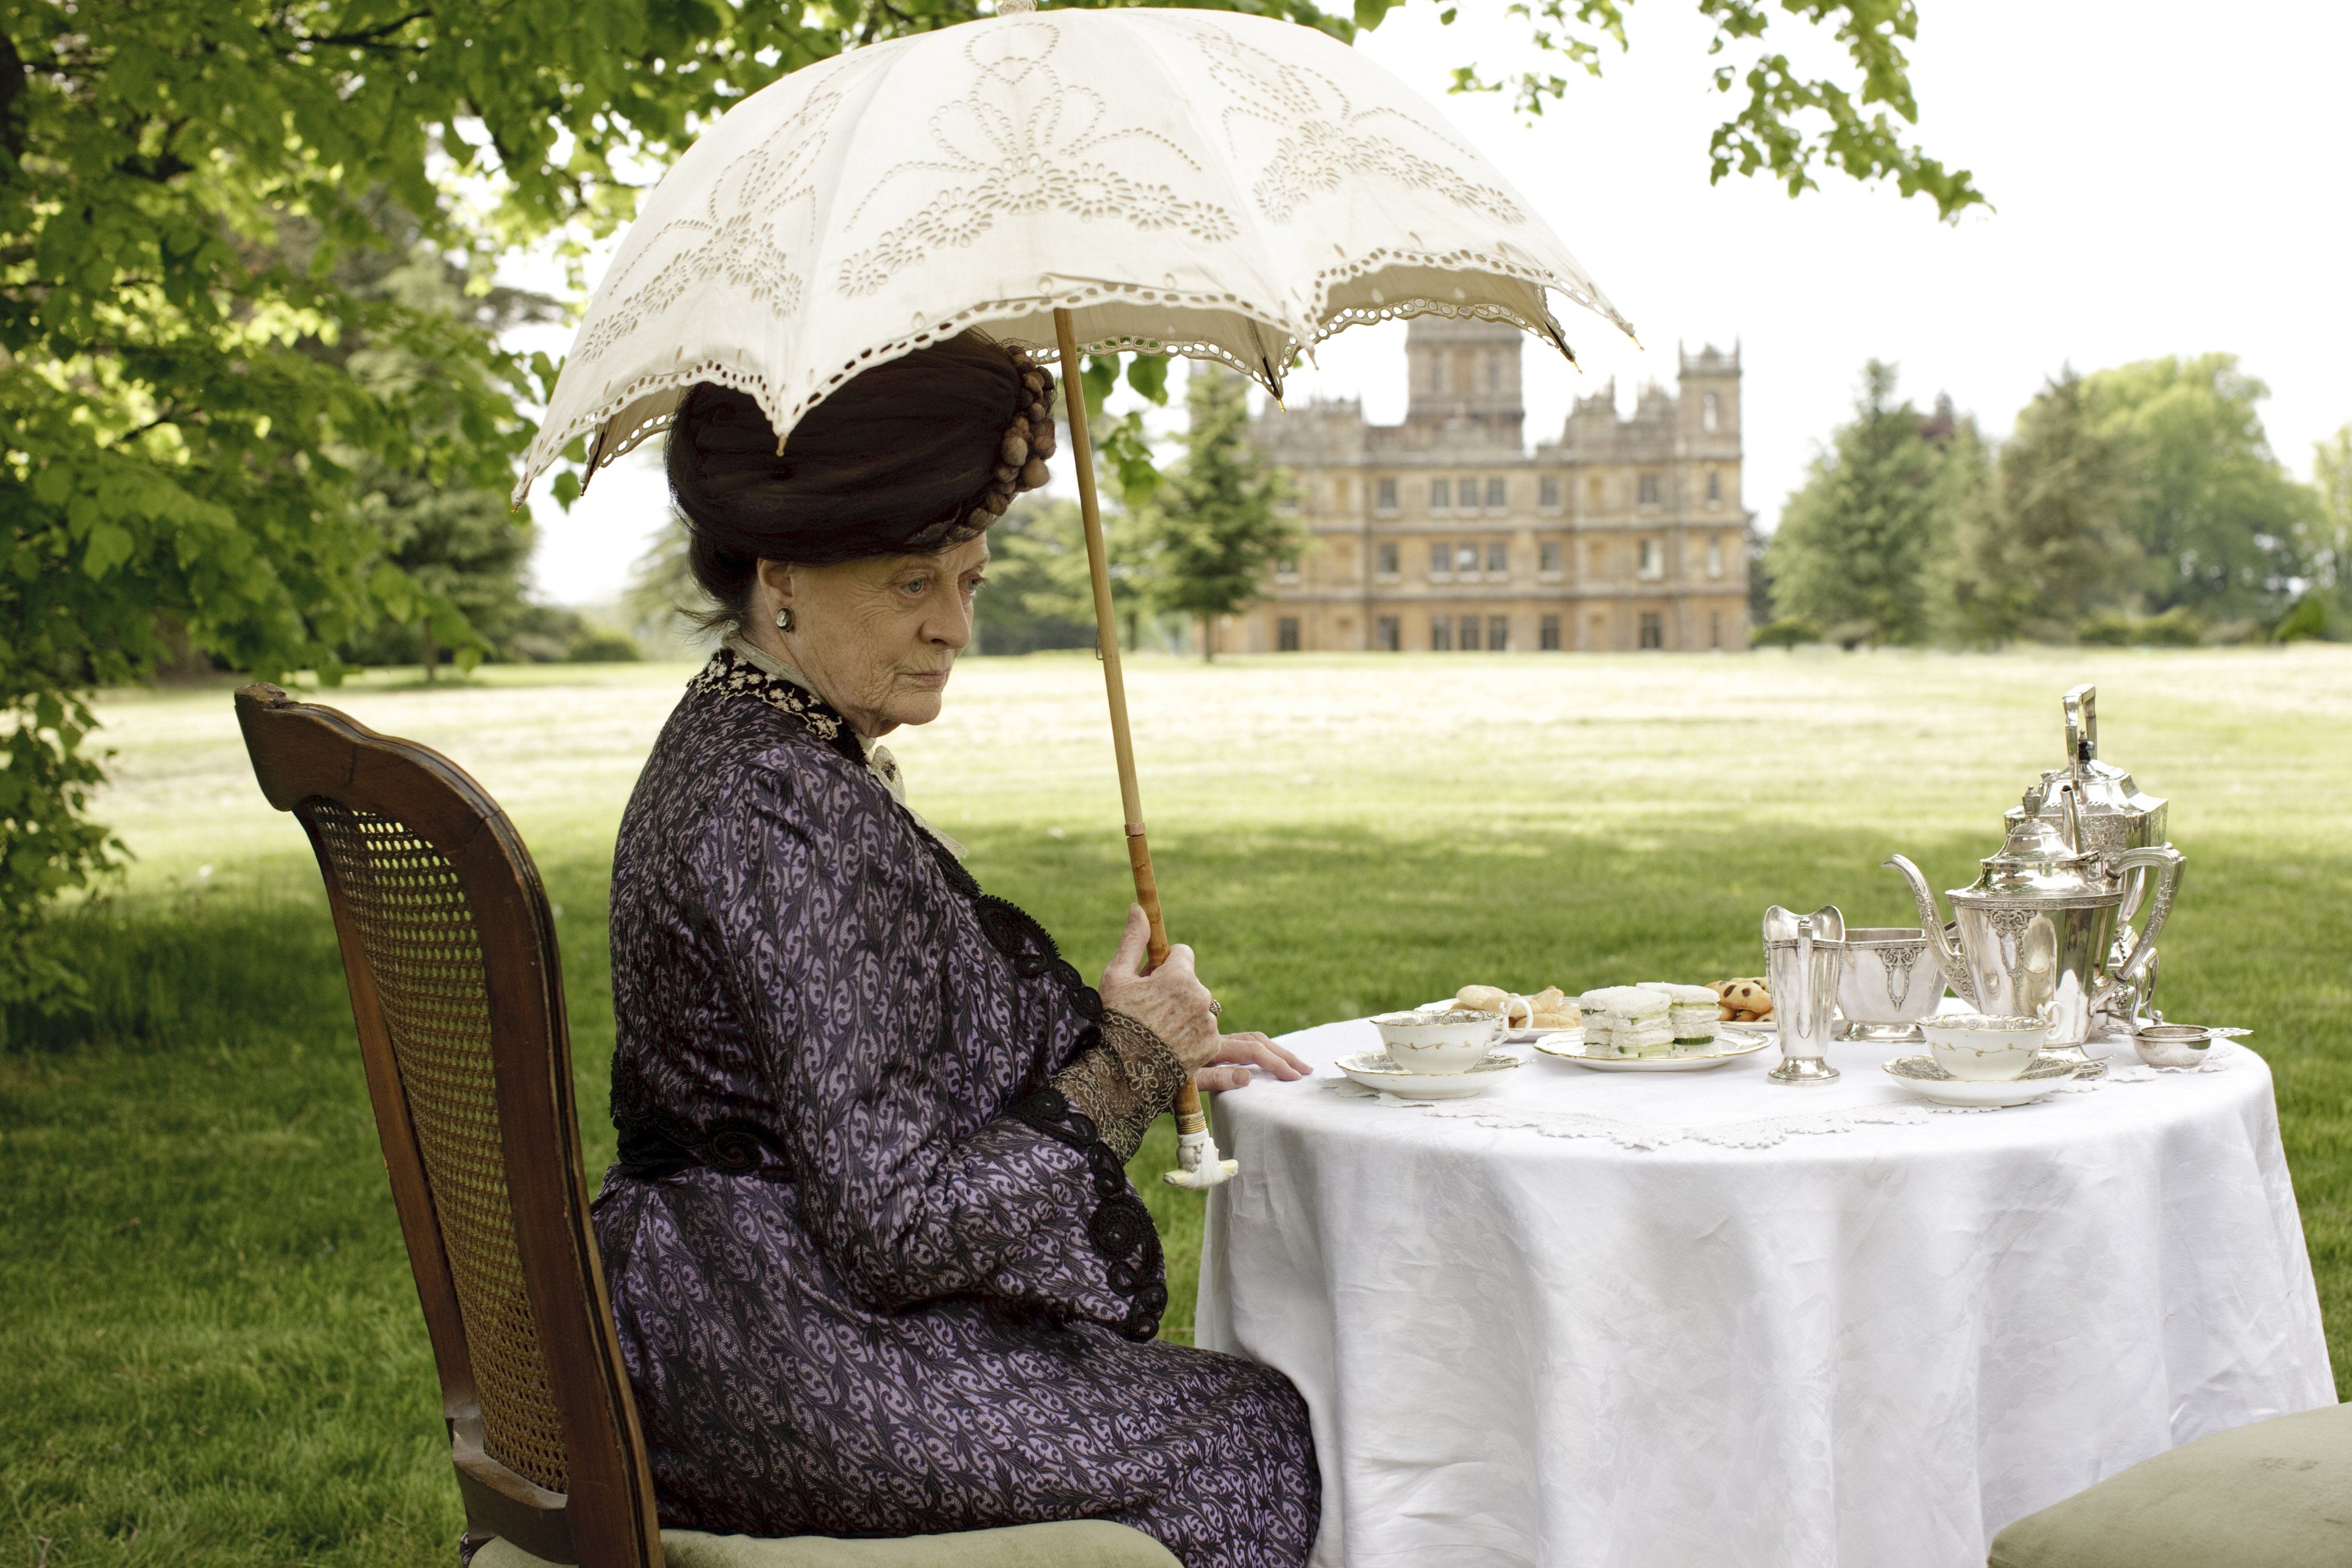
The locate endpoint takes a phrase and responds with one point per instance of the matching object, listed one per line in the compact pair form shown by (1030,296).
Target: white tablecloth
(1870,1347)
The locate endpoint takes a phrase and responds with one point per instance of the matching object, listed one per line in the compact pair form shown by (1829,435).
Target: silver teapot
(2036,928)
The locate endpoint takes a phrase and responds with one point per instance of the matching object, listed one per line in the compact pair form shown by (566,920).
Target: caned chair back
(450,954)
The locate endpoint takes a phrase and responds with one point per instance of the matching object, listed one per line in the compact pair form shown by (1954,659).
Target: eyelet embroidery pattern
(737,227)
(1013,161)
(1329,141)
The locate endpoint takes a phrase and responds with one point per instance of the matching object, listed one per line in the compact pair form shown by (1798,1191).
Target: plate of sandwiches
(1658,1026)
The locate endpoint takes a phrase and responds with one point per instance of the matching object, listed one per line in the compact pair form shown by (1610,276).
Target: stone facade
(1445,533)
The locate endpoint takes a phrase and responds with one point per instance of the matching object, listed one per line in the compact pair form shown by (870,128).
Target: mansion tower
(1445,533)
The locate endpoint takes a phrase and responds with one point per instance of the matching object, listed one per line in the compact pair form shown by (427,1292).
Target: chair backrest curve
(449,950)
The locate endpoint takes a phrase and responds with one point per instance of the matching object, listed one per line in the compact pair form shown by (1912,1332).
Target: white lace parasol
(1224,186)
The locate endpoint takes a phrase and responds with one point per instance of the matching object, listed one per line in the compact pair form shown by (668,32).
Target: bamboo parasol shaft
(1189,1118)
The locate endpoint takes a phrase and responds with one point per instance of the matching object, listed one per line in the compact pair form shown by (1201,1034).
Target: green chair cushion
(2277,1494)
(1070,1543)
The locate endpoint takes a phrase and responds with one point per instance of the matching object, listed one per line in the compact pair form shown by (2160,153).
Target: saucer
(1732,1041)
(1374,1070)
(1921,1076)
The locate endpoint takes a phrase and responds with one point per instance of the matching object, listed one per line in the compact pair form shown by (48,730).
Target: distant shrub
(2307,622)
(606,648)
(2109,630)
(1786,633)
(2177,627)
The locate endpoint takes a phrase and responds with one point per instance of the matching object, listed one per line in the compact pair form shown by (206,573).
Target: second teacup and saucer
(1979,1062)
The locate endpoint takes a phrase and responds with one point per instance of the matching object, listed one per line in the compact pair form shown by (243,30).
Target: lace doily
(1760,1133)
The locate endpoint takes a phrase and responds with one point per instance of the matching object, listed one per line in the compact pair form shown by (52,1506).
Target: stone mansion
(1445,533)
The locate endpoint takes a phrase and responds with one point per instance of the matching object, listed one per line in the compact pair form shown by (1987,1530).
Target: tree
(1214,520)
(2219,522)
(464,546)
(2331,532)
(182,465)
(2044,547)
(1853,545)
(1040,590)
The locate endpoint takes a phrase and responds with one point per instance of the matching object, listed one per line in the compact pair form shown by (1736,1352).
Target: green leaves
(1791,124)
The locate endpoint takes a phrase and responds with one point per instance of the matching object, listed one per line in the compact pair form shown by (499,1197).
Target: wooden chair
(450,954)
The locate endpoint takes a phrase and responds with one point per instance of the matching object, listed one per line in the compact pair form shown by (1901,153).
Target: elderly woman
(875,1261)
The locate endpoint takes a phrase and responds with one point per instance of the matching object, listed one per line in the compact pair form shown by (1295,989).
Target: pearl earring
(784,618)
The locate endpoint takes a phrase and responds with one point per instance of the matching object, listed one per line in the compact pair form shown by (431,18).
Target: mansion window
(1548,633)
(1494,372)
(1387,494)
(1498,559)
(1441,495)
(1715,628)
(1714,487)
(1653,559)
(1441,634)
(1384,558)
(1714,559)
(1286,570)
(1548,493)
(1441,563)
(1498,496)
(1469,633)
(1711,411)
(1498,633)
(1548,558)
(1647,492)
(1465,492)
(1653,630)
(1286,635)
(1465,560)
(1594,490)
(1389,634)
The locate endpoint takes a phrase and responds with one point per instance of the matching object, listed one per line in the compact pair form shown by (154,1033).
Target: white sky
(2167,179)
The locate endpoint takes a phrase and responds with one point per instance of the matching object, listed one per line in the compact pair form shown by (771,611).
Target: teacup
(1455,1040)
(1983,1049)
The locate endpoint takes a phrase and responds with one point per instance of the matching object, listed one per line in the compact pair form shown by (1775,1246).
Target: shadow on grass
(212,1350)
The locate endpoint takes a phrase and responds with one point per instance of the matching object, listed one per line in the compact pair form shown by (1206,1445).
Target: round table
(1652,1319)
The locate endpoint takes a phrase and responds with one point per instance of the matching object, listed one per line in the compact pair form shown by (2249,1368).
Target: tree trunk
(1208,645)
(432,655)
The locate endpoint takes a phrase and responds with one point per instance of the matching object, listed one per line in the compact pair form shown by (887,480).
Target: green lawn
(210,1351)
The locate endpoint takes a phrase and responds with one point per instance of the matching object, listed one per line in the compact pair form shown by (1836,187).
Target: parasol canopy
(1222,186)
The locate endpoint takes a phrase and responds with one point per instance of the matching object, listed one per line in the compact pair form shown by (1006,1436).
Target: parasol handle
(1196,1146)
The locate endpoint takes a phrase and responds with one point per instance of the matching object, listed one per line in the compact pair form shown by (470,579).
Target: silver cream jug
(2036,927)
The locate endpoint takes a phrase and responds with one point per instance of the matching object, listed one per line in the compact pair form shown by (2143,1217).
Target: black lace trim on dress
(729,675)
(1121,1227)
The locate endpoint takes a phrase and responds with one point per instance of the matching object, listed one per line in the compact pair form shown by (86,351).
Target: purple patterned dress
(875,1261)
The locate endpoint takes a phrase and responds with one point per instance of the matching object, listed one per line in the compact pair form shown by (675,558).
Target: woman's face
(876,638)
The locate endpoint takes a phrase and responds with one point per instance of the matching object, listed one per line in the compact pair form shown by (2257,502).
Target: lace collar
(739,670)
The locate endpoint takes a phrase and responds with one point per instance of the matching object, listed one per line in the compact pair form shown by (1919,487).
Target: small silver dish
(2172,1044)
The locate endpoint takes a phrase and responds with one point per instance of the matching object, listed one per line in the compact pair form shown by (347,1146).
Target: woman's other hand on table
(1238,1053)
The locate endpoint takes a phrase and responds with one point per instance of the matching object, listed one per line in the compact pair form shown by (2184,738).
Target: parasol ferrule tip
(1196,1153)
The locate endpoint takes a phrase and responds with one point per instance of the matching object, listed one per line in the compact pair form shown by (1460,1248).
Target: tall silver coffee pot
(2115,817)
(2036,926)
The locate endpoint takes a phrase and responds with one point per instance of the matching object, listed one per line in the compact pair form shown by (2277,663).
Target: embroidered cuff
(1123,1082)
(1120,1227)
